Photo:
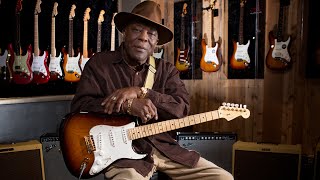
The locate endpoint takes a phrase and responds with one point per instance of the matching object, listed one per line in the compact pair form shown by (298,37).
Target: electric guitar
(240,58)
(20,65)
(182,62)
(39,65)
(211,56)
(3,65)
(91,142)
(100,20)
(71,68)
(55,62)
(113,34)
(85,57)
(278,57)
(158,53)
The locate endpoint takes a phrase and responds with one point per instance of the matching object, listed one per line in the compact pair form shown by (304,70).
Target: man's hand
(145,109)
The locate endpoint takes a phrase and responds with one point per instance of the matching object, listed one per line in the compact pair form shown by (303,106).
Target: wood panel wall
(283,105)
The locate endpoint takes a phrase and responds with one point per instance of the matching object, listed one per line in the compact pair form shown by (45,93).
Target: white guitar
(55,62)
(280,50)
(113,34)
(85,57)
(100,20)
(3,65)
(158,53)
(91,142)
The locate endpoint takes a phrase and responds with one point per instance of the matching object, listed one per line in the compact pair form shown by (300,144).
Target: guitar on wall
(55,62)
(85,57)
(39,65)
(182,62)
(71,68)
(158,52)
(91,142)
(240,58)
(3,65)
(20,65)
(211,59)
(113,34)
(278,57)
(100,20)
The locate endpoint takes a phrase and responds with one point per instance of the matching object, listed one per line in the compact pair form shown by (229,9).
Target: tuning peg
(224,104)
(232,105)
(236,105)
(245,106)
(240,106)
(228,104)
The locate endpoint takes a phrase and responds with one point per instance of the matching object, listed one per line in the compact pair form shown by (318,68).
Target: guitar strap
(151,72)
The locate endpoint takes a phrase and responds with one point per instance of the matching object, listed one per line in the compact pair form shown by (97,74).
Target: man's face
(140,41)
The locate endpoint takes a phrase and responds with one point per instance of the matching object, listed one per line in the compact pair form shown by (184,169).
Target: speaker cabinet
(21,160)
(55,168)
(317,163)
(252,161)
(215,147)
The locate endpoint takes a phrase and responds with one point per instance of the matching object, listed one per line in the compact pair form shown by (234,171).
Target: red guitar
(72,71)
(19,64)
(182,61)
(211,56)
(240,58)
(39,66)
(100,20)
(55,62)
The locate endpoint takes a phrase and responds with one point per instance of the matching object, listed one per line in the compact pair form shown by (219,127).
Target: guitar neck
(85,39)
(280,23)
(99,38)
(182,46)
(53,37)
(17,45)
(70,47)
(36,36)
(240,39)
(165,126)
(113,38)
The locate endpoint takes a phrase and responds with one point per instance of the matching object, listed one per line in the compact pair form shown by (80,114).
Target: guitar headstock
(87,14)
(55,9)
(37,10)
(212,4)
(184,9)
(242,2)
(101,18)
(72,12)
(230,111)
(19,6)
(112,23)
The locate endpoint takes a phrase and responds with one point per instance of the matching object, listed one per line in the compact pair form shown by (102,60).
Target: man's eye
(136,30)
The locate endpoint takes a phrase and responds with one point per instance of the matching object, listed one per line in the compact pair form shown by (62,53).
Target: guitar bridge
(90,143)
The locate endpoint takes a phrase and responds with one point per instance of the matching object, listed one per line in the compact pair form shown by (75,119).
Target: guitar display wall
(8,35)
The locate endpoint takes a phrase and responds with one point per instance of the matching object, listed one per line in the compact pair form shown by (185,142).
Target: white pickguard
(158,55)
(73,64)
(242,52)
(83,62)
(211,54)
(38,64)
(54,65)
(3,59)
(112,143)
(281,50)
(20,65)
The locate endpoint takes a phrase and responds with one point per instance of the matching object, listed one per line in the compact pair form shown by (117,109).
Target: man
(112,82)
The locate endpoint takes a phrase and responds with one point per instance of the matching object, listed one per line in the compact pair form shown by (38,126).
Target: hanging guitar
(211,56)
(100,20)
(19,64)
(85,57)
(39,65)
(158,52)
(240,58)
(71,68)
(182,62)
(91,142)
(278,57)
(55,61)
(3,65)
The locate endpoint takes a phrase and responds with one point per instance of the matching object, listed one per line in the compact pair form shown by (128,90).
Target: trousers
(204,170)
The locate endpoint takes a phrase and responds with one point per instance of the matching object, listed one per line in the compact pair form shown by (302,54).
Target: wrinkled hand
(144,109)
(114,102)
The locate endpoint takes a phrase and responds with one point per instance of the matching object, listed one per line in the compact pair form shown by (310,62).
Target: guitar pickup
(90,143)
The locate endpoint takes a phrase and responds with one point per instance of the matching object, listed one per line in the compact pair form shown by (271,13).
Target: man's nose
(143,35)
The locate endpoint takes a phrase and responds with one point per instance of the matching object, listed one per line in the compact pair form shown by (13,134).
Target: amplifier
(317,163)
(21,160)
(252,161)
(215,147)
(55,168)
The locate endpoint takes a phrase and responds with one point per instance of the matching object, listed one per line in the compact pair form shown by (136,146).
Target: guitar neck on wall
(240,58)
(100,20)
(278,57)
(72,71)
(85,56)
(39,66)
(20,65)
(211,52)
(182,61)
(113,34)
(102,140)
